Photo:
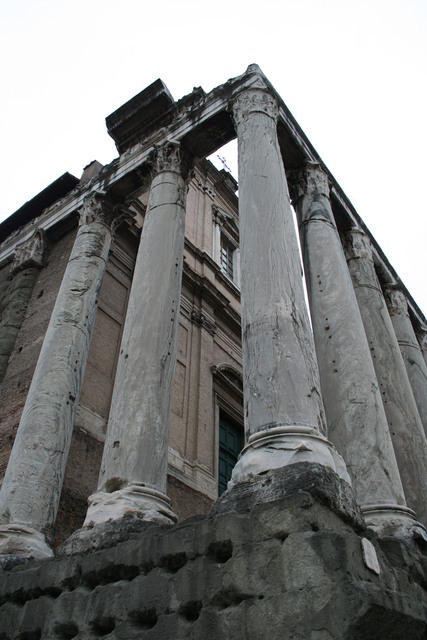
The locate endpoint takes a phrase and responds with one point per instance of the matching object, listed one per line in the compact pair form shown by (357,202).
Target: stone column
(133,472)
(27,262)
(356,420)
(407,433)
(284,415)
(410,348)
(422,340)
(31,489)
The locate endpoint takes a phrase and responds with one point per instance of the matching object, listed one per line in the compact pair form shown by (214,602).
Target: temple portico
(343,395)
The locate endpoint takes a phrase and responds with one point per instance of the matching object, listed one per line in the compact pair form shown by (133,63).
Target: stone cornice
(206,258)
(206,289)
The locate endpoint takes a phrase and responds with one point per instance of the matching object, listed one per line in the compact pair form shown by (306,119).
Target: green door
(230,445)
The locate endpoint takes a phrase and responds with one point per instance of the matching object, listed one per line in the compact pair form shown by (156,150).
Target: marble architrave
(406,429)
(31,488)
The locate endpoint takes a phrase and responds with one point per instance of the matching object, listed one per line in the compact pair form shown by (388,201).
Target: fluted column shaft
(134,465)
(31,489)
(407,433)
(283,405)
(27,262)
(356,420)
(410,349)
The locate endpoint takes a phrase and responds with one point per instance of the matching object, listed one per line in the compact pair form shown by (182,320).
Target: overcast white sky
(353,73)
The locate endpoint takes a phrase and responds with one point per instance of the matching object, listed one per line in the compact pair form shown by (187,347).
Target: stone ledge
(316,480)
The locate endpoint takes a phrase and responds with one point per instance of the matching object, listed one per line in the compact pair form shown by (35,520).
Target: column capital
(30,253)
(396,300)
(257,99)
(98,207)
(169,156)
(422,337)
(308,180)
(358,244)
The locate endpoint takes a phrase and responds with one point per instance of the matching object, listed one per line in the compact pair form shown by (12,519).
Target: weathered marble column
(356,420)
(133,472)
(27,262)
(410,348)
(31,488)
(422,340)
(407,433)
(284,415)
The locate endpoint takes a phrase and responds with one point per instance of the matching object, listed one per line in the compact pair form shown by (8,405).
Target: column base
(281,446)
(22,541)
(135,499)
(393,520)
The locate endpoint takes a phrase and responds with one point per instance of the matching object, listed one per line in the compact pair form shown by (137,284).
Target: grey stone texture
(275,325)
(284,415)
(411,351)
(134,464)
(31,488)
(23,273)
(357,423)
(408,437)
(289,569)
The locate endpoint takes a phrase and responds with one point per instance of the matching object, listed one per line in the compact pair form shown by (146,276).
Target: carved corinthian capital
(253,101)
(167,157)
(358,244)
(97,208)
(396,301)
(30,253)
(422,338)
(309,180)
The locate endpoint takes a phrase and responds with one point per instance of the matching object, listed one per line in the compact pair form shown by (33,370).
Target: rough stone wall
(291,569)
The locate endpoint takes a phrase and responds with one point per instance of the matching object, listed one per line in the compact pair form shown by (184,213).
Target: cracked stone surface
(293,565)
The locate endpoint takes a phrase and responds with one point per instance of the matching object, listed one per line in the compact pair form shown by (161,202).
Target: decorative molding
(422,338)
(97,208)
(166,157)
(203,320)
(358,245)
(254,100)
(229,377)
(30,253)
(223,217)
(396,301)
(204,187)
(308,180)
